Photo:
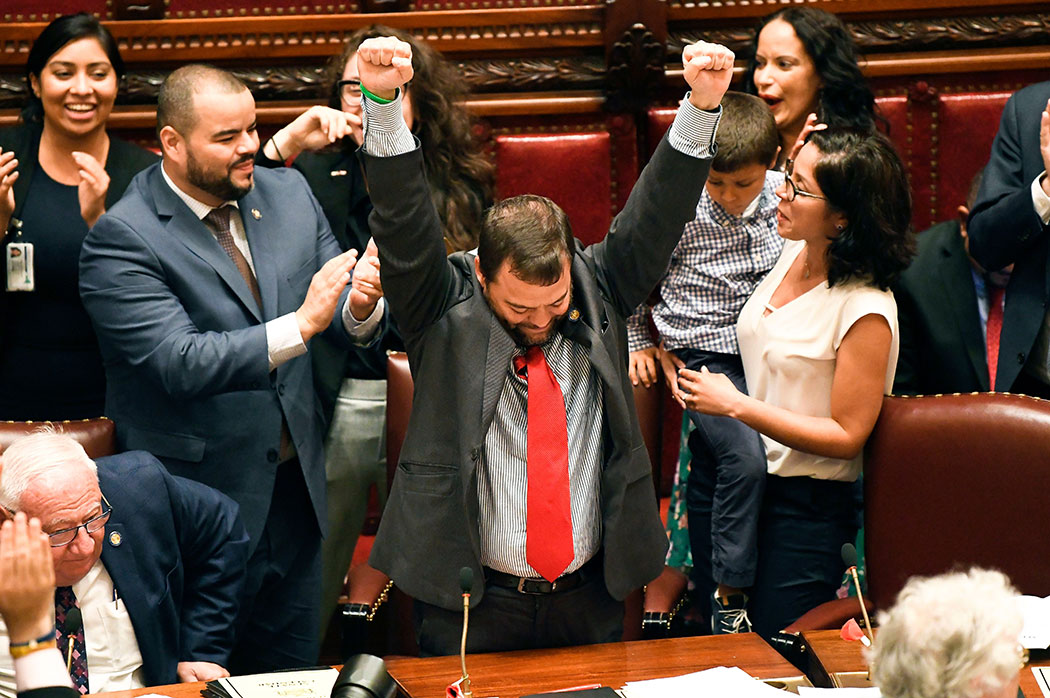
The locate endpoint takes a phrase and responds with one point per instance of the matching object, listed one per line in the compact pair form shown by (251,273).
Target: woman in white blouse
(818,340)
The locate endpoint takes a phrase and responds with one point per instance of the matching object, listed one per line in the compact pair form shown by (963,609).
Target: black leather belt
(530,585)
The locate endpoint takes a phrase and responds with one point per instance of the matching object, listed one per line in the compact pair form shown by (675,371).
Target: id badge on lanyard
(19,255)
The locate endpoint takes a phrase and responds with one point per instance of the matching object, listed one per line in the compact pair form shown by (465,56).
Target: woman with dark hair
(351,383)
(818,340)
(59,171)
(460,176)
(805,62)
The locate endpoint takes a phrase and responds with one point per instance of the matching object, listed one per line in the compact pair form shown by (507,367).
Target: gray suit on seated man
(523,459)
(155,563)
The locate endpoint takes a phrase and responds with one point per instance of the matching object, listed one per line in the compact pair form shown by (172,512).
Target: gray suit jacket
(184,343)
(459,354)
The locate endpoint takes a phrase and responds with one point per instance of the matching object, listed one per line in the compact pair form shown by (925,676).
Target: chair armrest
(831,615)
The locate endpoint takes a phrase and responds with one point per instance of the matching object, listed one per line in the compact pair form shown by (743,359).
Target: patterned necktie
(65,600)
(994,329)
(548,514)
(218,221)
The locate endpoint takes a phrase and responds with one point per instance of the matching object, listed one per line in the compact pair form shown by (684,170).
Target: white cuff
(1040,200)
(283,341)
(386,133)
(40,670)
(363,331)
(693,130)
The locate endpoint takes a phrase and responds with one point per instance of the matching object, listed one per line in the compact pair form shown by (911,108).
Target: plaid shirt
(718,263)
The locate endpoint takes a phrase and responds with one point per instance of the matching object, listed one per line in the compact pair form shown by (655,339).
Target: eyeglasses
(349,91)
(62,538)
(793,191)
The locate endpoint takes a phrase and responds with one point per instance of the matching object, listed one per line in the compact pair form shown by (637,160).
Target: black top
(50,366)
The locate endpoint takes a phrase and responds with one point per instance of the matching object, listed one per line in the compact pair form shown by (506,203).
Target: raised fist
(384,64)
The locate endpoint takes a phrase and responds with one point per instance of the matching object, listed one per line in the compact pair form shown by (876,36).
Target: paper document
(720,681)
(1042,677)
(839,692)
(308,683)
(1036,632)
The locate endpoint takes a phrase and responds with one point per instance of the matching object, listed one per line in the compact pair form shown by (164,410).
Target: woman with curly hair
(818,340)
(805,62)
(321,144)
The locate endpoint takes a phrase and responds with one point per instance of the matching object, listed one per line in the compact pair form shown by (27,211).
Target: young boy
(723,254)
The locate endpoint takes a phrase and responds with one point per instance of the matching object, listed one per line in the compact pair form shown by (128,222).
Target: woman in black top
(59,172)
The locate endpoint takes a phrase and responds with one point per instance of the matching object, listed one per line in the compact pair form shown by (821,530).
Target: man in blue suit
(1010,225)
(205,283)
(155,563)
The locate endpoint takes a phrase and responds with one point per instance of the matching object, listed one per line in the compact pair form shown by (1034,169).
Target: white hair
(955,635)
(44,451)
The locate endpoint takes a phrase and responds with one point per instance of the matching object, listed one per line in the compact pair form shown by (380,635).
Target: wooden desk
(840,663)
(513,674)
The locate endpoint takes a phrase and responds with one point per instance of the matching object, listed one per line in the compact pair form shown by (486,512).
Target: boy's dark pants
(727,479)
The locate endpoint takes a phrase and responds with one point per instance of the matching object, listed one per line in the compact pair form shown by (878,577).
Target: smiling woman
(59,172)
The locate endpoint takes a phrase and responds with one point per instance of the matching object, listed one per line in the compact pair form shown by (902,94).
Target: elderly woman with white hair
(951,636)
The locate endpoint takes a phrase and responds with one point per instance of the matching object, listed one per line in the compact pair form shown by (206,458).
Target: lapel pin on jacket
(337,173)
(115,539)
(574,314)
(256,214)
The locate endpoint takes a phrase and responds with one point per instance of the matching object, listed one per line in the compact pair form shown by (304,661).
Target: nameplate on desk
(305,683)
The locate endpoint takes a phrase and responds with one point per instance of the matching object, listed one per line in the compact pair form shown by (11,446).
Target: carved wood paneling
(477,32)
(900,35)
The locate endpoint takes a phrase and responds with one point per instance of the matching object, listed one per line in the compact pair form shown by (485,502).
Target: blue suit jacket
(1005,229)
(184,342)
(177,552)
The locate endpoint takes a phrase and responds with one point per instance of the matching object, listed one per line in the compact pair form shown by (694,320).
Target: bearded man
(205,284)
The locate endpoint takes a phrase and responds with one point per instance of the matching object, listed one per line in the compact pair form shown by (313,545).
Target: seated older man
(154,563)
(952,636)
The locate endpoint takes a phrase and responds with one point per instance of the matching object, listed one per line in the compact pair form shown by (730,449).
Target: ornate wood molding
(901,35)
(635,69)
(290,83)
(177,41)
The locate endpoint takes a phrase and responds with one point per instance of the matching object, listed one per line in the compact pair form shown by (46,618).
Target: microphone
(74,621)
(466,583)
(364,676)
(849,556)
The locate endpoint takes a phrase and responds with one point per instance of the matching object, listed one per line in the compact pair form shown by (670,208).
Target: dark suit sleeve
(906,380)
(125,290)
(50,692)
(413,264)
(633,257)
(213,546)
(1004,224)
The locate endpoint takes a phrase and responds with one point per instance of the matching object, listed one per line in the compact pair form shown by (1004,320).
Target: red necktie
(548,527)
(995,328)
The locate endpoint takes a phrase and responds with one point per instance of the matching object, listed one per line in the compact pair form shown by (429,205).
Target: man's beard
(218,186)
(519,337)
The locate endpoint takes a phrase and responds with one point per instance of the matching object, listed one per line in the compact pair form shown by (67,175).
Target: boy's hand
(669,364)
(642,366)
(708,70)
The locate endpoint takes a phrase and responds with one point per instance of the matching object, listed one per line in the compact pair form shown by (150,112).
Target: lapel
(262,246)
(961,299)
(182,225)
(120,563)
(27,154)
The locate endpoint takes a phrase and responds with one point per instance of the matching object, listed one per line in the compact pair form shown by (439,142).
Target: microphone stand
(465,681)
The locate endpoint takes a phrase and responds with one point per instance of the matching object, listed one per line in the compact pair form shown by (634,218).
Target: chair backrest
(399,387)
(952,481)
(97,436)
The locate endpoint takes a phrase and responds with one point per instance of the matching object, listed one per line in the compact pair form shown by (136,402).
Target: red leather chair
(952,481)
(97,436)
